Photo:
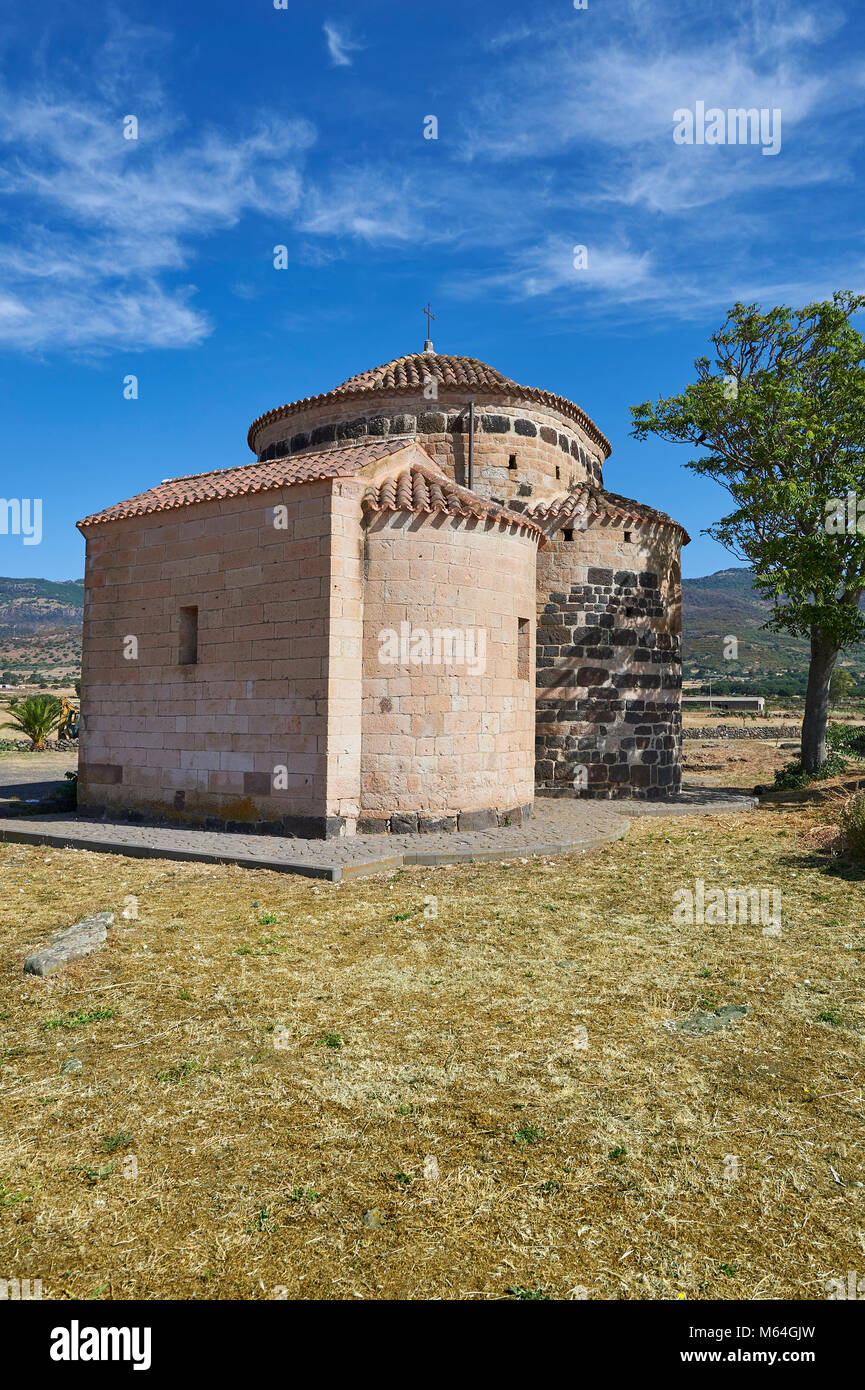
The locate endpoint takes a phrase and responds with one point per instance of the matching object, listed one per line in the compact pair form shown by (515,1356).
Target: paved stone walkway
(559,827)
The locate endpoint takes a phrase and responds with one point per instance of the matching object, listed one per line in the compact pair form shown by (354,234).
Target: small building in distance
(731,702)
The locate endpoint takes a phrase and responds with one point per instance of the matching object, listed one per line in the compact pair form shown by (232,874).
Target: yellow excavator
(70,720)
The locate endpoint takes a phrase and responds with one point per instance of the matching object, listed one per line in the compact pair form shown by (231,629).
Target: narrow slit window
(524,632)
(189,635)
(512,461)
(558,471)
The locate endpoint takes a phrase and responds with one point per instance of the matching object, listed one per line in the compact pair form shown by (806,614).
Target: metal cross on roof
(429,317)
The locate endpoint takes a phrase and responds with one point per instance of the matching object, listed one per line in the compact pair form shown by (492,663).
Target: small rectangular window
(189,635)
(512,461)
(558,471)
(627,535)
(567,535)
(524,655)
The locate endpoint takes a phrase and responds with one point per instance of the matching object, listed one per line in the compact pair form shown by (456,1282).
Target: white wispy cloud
(340,44)
(372,204)
(645,285)
(564,141)
(104,223)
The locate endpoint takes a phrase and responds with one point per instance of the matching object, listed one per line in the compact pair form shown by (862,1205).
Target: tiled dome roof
(411,373)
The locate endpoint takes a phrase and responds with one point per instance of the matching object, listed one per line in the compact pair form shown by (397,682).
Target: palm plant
(35,716)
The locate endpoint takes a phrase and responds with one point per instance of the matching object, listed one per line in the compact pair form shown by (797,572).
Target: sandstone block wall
(446,740)
(276,684)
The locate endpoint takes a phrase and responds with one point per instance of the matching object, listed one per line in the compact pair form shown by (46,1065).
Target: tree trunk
(824,654)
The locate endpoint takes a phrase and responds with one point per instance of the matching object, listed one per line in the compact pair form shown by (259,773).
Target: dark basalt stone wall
(613,726)
(430,423)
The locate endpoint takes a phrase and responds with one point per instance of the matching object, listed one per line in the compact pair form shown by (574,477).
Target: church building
(416,609)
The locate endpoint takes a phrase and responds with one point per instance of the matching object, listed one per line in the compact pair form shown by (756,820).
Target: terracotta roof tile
(422,489)
(597,502)
(413,372)
(249,478)
(410,374)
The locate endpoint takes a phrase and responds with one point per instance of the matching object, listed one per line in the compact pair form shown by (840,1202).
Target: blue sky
(304,127)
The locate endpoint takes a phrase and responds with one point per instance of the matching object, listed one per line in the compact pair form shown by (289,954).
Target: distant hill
(40,627)
(726,604)
(29,604)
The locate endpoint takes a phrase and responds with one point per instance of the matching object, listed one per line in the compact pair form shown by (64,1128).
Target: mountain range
(40,628)
(725,604)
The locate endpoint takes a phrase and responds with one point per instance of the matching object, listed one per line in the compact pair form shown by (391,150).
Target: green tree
(34,715)
(781,417)
(842,685)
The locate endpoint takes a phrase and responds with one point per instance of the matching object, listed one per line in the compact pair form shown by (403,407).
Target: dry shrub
(827,838)
(851,822)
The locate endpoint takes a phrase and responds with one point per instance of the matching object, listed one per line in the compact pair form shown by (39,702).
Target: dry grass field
(742,763)
(296,1089)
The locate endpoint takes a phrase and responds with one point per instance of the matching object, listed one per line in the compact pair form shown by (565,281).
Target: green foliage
(846,738)
(68,593)
(842,685)
(527,1134)
(830,1016)
(781,418)
(116,1141)
(262,1221)
(94,1175)
(34,715)
(793,775)
(79,1018)
(787,438)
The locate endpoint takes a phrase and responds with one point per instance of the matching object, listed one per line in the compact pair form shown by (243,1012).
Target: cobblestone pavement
(559,827)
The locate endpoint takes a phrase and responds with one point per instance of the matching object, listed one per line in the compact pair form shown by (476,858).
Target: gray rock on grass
(70,944)
(705,1022)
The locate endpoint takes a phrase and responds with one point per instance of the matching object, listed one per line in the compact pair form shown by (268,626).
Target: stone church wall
(609,662)
(621,732)
(238,738)
(448,741)
(551,452)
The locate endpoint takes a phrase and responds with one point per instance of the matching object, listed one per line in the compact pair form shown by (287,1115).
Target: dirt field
(744,763)
(291,1089)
